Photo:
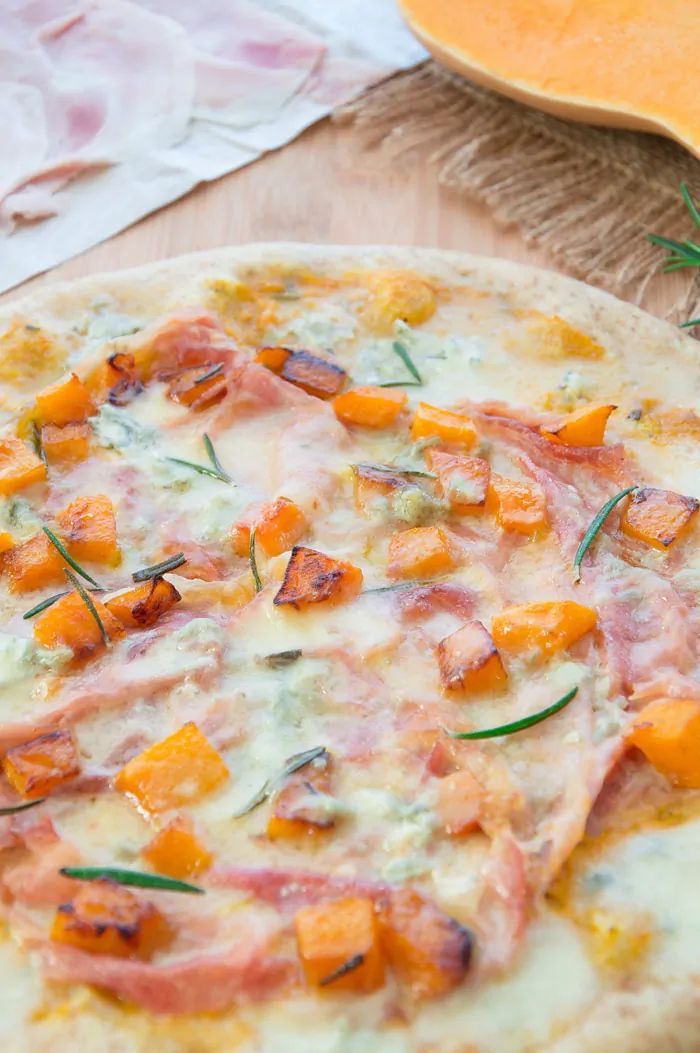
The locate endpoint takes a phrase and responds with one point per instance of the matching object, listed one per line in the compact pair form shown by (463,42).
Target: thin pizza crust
(646,1019)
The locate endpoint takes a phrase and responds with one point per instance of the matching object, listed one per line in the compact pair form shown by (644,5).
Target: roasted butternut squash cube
(68,400)
(542,627)
(273,358)
(667,732)
(463,481)
(429,951)
(33,564)
(312,577)
(19,466)
(143,605)
(6,542)
(431,422)
(199,387)
(518,506)
(316,376)
(338,944)
(583,427)
(115,380)
(373,485)
(279,526)
(36,768)
(179,769)
(105,918)
(177,851)
(369,407)
(469,661)
(299,809)
(658,517)
(240,540)
(67,444)
(89,530)
(459,803)
(419,552)
(70,623)
(398,296)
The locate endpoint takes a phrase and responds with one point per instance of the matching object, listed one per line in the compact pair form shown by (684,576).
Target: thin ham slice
(444,597)
(202,984)
(290,888)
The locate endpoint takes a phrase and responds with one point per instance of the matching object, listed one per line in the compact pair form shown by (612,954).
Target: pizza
(350,665)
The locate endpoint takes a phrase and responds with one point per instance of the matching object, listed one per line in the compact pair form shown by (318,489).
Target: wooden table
(323,187)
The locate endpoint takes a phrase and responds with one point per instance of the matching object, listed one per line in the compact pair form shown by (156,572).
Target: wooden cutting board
(321,188)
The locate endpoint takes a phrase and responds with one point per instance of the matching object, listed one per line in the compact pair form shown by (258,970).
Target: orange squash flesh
(658,517)
(464,481)
(193,388)
(36,768)
(668,734)
(19,466)
(105,918)
(279,527)
(143,605)
(369,407)
(583,427)
(431,422)
(115,380)
(66,444)
(68,400)
(419,552)
(469,661)
(33,564)
(175,771)
(295,813)
(332,937)
(89,530)
(312,577)
(542,627)
(316,376)
(69,623)
(519,506)
(177,851)
(579,61)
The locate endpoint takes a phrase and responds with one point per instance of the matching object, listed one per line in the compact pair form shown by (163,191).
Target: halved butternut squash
(579,61)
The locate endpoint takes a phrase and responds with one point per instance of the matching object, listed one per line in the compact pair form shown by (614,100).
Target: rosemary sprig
(63,551)
(253,562)
(398,348)
(215,472)
(88,601)
(12,809)
(292,764)
(594,528)
(396,587)
(282,658)
(38,444)
(346,967)
(213,372)
(171,563)
(680,253)
(137,878)
(48,602)
(690,324)
(396,469)
(517,725)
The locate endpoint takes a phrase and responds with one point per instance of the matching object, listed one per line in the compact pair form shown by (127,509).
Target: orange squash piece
(519,506)
(19,466)
(69,623)
(273,358)
(68,400)
(578,61)
(369,407)
(459,802)
(398,296)
(316,376)
(429,951)
(6,542)
(177,851)
(419,552)
(67,444)
(36,768)
(295,812)
(657,517)
(240,540)
(115,380)
(279,527)
(373,485)
(143,605)
(338,944)
(105,918)
(544,627)
(454,429)
(33,564)
(583,427)
(173,772)
(469,661)
(667,732)
(89,530)
(196,388)
(464,481)
(312,577)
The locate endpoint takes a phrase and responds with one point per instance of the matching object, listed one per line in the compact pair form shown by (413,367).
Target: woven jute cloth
(588,196)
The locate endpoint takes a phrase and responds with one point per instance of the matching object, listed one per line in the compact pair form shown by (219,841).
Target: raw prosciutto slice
(203,984)
(290,888)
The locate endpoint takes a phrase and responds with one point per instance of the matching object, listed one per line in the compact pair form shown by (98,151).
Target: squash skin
(543,55)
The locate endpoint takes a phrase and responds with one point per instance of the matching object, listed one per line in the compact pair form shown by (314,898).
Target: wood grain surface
(324,188)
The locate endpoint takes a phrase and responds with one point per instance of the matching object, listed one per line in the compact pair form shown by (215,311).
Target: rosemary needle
(171,563)
(63,551)
(88,601)
(516,725)
(254,562)
(292,764)
(594,528)
(136,878)
(12,809)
